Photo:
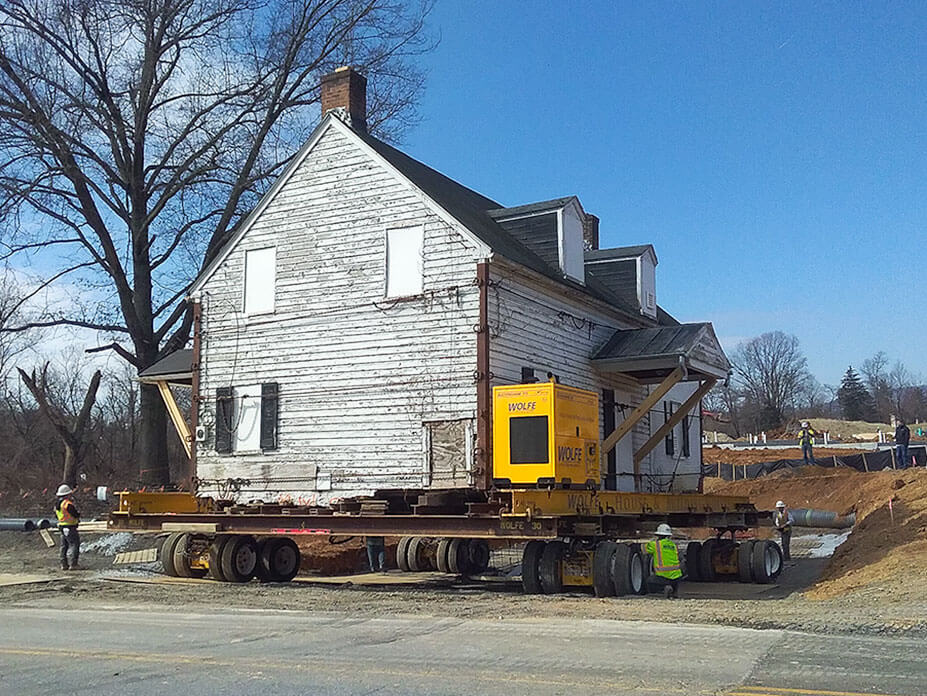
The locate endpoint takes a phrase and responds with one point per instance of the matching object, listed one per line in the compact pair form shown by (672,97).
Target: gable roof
(466,206)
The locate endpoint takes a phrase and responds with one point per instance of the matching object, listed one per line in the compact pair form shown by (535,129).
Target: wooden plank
(180,423)
(674,420)
(642,409)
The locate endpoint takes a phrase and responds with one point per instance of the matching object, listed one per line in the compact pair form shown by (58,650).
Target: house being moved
(348,337)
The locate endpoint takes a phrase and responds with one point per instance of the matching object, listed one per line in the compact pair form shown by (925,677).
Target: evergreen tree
(855,401)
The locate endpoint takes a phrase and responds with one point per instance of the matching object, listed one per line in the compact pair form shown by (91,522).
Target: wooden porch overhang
(663,356)
(175,369)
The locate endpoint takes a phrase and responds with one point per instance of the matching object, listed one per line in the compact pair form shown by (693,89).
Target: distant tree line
(771,388)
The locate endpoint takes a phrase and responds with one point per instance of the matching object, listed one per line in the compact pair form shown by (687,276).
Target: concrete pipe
(16,524)
(46,523)
(807,517)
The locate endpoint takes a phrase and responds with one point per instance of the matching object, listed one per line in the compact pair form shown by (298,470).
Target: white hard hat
(64,489)
(664,530)
(779,503)
(805,424)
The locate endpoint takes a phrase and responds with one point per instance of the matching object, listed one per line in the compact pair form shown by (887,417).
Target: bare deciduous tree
(771,371)
(135,135)
(70,427)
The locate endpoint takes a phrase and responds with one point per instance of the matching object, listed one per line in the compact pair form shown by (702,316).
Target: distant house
(351,332)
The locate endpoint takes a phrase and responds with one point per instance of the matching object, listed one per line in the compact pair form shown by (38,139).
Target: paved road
(157,653)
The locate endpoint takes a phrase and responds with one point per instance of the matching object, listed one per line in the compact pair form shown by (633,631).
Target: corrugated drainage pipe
(46,523)
(807,517)
(16,524)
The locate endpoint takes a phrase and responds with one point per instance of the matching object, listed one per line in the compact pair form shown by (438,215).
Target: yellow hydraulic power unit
(545,433)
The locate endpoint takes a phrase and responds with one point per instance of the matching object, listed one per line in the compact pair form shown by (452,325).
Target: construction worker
(68,518)
(376,553)
(806,440)
(666,568)
(783,520)
(902,438)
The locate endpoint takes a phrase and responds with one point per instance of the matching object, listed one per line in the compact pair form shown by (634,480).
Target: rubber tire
(745,561)
(530,567)
(627,558)
(778,549)
(550,567)
(464,567)
(228,559)
(441,556)
(603,557)
(261,569)
(646,567)
(706,568)
(414,559)
(693,572)
(215,556)
(167,554)
(762,573)
(401,549)
(269,559)
(479,556)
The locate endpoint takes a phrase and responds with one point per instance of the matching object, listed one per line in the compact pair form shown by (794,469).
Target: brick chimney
(591,232)
(346,89)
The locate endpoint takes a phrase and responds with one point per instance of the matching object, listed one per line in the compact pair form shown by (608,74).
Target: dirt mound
(725,455)
(347,555)
(887,551)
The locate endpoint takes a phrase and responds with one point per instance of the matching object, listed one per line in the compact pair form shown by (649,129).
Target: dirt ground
(886,555)
(713,455)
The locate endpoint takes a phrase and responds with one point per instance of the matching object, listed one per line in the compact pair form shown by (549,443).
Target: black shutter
(667,414)
(269,409)
(685,437)
(224,420)
(608,422)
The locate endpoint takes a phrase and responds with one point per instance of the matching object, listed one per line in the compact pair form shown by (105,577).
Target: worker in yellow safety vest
(68,518)
(806,441)
(666,569)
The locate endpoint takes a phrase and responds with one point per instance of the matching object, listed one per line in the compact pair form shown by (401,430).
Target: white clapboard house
(348,337)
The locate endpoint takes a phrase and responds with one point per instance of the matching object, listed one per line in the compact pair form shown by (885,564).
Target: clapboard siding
(357,373)
(535,324)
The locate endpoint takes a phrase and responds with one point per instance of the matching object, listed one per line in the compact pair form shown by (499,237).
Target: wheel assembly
(693,550)
(401,550)
(215,556)
(415,554)
(602,575)
(706,566)
(166,553)
(182,558)
(745,561)
(550,567)
(441,555)
(628,570)
(478,555)
(239,558)
(530,567)
(766,561)
(279,559)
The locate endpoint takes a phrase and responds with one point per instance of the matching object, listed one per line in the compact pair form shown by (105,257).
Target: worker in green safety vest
(666,568)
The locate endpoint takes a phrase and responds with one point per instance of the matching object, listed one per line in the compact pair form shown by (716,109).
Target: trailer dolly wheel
(627,570)
(602,574)
(454,556)
(766,561)
(441,556)
(167,554)
(182,558)
(706,565)
(415,554)
(550,567)
(402,548)
(745,561)
(530,562)
(478,556)
(279,559)
(692,553)
(215,556)
(239,558)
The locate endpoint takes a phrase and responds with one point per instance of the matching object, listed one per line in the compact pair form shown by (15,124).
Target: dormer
(629,272)
(551,229)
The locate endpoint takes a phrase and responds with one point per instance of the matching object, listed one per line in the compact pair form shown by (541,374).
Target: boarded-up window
(269,400)
(260,280)
(246,418)
(449,453)
(404,262)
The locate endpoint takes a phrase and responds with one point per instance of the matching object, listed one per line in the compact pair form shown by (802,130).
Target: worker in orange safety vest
(666,568)
(68,518)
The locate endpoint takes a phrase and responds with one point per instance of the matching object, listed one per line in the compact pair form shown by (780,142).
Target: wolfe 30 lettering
(569,454)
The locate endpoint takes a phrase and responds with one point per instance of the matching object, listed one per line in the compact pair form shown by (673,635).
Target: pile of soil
(713,455)
(887,551)
(345,556)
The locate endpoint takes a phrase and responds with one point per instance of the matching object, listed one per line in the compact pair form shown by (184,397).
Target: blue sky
(774,154)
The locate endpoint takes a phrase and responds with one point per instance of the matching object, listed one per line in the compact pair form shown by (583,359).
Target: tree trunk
(70,467)
(152,439)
